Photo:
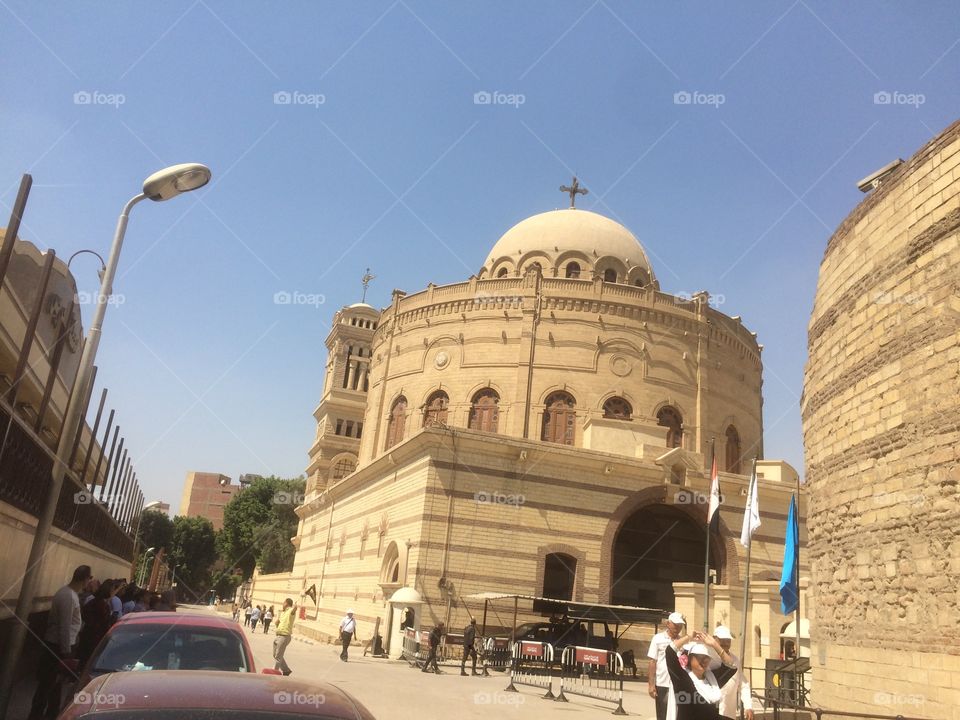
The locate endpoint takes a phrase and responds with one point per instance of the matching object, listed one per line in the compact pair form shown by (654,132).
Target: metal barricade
(411,647)
(531,666)
(423,648)
(496,654)
(593,673)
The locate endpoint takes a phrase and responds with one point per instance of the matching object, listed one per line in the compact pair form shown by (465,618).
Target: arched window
(669,418)
(559,575)
(573,270)
(485,411)
(559,419)
(343,467)
(733,450)
(396,423)
(435,411)
(610,275)
(502,272)
(616,408)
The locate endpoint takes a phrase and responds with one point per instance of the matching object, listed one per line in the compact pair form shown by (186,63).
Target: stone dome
(553,237)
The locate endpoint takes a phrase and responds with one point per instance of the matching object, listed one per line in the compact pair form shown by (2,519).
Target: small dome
(406,595)
(559,232)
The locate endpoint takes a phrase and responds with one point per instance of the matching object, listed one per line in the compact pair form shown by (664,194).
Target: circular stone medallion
(620,365)
(441,360)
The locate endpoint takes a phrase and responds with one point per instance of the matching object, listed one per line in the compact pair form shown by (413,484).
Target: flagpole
(746,576)
(706,564)
(796,674)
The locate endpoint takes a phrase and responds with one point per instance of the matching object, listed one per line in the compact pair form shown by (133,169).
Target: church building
(545,428)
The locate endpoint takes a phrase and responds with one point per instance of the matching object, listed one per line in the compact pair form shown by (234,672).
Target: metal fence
(532,665)
(593,673)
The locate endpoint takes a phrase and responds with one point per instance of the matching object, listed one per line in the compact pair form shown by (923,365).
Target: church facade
(544,428)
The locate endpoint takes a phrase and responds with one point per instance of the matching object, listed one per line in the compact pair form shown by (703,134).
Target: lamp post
(143,568)
(162,185)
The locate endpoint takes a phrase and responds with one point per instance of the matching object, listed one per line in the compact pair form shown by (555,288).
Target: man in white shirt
(63,626)
(658,677)
(737,685)
(348,626)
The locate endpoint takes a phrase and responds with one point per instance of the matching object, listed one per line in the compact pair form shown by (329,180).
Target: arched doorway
(655,547)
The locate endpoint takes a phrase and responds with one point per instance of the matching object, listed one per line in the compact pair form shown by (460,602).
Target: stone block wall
(881,417)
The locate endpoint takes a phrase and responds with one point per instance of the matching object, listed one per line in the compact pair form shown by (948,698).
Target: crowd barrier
(411,647)
(496,654)
(531,666)
(592,673)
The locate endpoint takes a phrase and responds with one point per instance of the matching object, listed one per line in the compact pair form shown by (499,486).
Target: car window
(162,647)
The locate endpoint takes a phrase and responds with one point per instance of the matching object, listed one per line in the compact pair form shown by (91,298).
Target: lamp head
(176,179)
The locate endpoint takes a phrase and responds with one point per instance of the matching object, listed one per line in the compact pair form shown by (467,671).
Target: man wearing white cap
(348,626)
(658,678)
(728,698)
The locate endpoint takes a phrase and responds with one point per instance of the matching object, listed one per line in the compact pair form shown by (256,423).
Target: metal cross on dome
(366,283)
(574,190)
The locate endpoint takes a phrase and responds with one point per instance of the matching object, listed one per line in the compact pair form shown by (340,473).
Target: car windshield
(170,647)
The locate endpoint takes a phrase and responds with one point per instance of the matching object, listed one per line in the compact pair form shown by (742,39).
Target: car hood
(213,690)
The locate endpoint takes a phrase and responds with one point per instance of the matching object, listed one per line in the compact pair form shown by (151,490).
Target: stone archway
(673,548)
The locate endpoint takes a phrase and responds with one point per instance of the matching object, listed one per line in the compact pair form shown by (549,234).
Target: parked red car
(171,641)
(205,695)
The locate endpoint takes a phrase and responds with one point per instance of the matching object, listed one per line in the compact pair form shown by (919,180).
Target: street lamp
(143,569)
(162,185)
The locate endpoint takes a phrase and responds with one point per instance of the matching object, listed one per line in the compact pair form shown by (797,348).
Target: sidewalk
(391,690)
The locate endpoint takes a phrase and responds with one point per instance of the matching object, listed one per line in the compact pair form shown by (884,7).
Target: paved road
(391,690)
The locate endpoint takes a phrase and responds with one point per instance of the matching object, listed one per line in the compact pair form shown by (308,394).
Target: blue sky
(383,159)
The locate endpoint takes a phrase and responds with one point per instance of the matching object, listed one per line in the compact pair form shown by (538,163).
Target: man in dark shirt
(469,636)
(435,636)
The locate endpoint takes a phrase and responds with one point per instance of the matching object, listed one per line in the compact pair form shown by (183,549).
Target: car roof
(214,690)
(192,619)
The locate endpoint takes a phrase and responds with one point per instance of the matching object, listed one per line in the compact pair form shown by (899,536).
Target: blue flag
(789,578)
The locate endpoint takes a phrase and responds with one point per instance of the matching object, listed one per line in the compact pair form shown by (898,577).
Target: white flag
(751,514)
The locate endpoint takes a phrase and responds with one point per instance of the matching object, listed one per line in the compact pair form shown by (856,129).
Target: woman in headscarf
(696,688)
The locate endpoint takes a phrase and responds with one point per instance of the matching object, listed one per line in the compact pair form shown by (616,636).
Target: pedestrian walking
(255,618)
(469,636)
(435,636)
(247,611)
(63,627)
(267,618)
(697,690)
(658,678)
(284,633)
(348,626)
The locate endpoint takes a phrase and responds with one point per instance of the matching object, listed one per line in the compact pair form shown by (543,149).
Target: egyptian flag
(713,510)
(312,593)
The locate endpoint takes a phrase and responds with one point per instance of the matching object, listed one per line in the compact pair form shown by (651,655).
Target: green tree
(193,552)
(156,531)
(258,524)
